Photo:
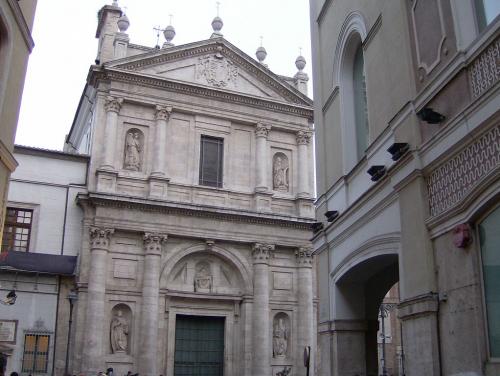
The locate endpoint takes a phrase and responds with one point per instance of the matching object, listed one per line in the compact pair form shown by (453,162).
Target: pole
(69,336)
(382,361)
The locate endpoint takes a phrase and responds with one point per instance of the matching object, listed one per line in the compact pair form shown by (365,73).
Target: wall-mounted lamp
(376,172)
(317,226)
(397,150)
(10,299)
(331,215)
(430,116)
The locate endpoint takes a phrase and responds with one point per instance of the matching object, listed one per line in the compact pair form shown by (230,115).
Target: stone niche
(281,336)
(120,329)
(205,273)
(133,153)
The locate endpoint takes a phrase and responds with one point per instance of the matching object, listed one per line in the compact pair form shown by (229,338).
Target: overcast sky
(65,46)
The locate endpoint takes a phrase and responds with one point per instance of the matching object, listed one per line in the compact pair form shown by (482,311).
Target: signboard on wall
(8,329)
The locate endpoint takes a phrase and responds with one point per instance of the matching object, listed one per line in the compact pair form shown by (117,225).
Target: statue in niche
(133,149)
(280,338)
(203,278)
(280,172)
(119,333)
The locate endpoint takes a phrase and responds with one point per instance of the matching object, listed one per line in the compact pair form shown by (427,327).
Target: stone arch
(349,46)
(359,284)
(281,172)
(120,329)
(133,153)
(232,258)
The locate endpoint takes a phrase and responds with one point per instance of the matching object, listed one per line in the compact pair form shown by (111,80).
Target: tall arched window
(360,108)
(489,238)
(350,79)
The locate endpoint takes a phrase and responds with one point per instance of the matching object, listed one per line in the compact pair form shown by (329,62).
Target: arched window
(350,78)
(360,108)
(489,238)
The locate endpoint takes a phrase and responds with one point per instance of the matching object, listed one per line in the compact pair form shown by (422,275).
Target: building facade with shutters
(196,254)
(41,241)
(407,165)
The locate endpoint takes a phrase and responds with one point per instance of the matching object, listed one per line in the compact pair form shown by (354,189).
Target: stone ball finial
(300,62)
(169,33)
(217,26)
(261,54)
(123,23)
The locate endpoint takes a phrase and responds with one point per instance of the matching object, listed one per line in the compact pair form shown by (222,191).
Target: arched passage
(359,290)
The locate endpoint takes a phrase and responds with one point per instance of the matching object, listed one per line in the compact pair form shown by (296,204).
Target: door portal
(199,346)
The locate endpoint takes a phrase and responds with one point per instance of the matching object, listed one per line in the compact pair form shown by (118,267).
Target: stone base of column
(106,180)
(158,186)
(418,316)
(263,201)
(305,207)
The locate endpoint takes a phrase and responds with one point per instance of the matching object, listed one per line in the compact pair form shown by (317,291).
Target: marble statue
(280,173)
(133,151)
(119,333)
(280,339)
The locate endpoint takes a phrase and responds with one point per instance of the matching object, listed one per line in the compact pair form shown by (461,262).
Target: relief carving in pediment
(217,71)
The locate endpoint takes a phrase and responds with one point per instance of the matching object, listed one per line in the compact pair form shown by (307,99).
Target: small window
(486,12)
(17,229)
(36,353)
(211,157)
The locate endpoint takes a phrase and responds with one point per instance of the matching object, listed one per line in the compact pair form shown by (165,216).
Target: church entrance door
(199,346)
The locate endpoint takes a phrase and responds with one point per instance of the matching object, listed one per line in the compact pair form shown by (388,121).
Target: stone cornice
(223,47)
(241,216)
(7,158)
(136,78)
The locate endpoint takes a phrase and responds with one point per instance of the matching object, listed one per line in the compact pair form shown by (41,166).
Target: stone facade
(160,245)
(409,207)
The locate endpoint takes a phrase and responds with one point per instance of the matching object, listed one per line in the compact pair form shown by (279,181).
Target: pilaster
(93,351)
(303,140)
(261,133)
(148,356)
(112,106)
(261,362)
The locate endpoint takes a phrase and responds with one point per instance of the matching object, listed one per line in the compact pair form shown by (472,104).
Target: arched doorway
(359,293)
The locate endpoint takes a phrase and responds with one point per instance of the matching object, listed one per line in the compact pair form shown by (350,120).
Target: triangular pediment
(215,64)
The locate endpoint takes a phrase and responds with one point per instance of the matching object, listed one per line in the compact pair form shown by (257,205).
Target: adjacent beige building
(196,254)
(16,43)
(407,166)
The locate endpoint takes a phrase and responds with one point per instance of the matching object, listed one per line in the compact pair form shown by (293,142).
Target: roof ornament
(261,53)
(300,62)
(157,29)
(217,24)
(169,34)
(123,22)
(115,3)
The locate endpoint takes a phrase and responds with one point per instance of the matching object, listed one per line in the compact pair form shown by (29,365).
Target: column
(261,161)
(261,334)
(150,297)
(112,106)
(303,139)
(305,319)
(93,351)
(160,147)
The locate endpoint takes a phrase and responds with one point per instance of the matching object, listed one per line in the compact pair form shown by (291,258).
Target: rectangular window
(486,12)
(17,229)
(211,158)
(36,353)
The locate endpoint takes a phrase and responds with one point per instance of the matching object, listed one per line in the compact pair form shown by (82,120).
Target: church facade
(196,254)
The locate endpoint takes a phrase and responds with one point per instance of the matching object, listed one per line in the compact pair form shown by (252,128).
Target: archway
(358,295)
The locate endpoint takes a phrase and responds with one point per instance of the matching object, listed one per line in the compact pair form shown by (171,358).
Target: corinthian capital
(153,242)
(100,237)
(262,252)
(262,130)
(304,256)
(303,137)
(113,104)
(163,112)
